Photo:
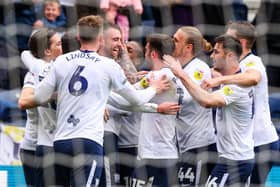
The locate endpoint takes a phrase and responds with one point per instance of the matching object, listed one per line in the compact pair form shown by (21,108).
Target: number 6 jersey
(83,80)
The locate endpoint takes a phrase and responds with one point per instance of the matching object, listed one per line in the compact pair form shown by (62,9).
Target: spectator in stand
(121,13)
(52,17)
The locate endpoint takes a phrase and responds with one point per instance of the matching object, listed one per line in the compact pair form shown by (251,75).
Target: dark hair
(69,42)
(89,27)
(230,44)
(244,30)
(39,41)
(161,43)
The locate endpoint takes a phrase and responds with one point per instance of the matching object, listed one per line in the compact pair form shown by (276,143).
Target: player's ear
(47,52)
(154,54)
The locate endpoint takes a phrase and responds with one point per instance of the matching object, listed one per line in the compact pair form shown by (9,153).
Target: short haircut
(39,41)
(46,2)
(230,44)
(108,25)
(244,30)
(161,43)
(89,27)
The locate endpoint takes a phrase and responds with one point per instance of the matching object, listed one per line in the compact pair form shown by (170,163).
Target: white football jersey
(31,128)
(264,130)
(47,113)
(157,139)
(195,123)
(83,81)
(234,123)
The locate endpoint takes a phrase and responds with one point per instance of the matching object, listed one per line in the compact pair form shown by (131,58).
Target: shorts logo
(198,75)
(227,90)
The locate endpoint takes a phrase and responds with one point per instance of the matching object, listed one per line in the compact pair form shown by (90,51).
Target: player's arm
(30,98)
(203,97)
(139,97)
(121,103)
(40,95)
(26,99)
(29,60)
(250,77)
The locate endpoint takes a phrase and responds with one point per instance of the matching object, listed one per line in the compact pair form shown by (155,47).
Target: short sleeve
(29,80)
(232,93)
(252,63)
(118,77)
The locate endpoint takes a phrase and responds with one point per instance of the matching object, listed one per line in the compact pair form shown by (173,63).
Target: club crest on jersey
(198,75)
(73,120)
(144,82)
(227,90)
(250,64)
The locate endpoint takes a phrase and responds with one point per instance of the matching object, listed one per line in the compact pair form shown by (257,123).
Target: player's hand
(161,84)
(173,64)
(210,83)
(141,74)
(106,115)
(168,108)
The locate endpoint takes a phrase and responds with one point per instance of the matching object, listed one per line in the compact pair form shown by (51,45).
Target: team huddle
(94,119)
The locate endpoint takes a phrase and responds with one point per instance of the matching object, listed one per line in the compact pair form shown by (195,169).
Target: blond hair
(194,37)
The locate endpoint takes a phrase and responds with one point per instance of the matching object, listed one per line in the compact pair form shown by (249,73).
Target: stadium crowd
(111,100)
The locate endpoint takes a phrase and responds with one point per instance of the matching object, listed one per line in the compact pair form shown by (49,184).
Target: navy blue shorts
(45,162)
(27,158)
(155,172)
(195,165)
(78,162)
(266,156)
(110,175)
(229,172)
(127,165)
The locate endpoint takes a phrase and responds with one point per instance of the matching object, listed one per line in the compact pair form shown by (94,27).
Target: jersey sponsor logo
(250,64)
(227,90)
(198,75)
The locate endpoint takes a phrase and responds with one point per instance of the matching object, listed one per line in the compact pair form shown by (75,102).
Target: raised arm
(250,77)
(29,60)
(121,103)
(203,97)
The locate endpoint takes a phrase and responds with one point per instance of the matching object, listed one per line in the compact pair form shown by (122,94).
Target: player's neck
(231,69)
(245,52)
(89,47)
(157,65)
(185,60)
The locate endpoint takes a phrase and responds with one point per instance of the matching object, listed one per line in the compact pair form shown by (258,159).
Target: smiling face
(52,11)
(112,42)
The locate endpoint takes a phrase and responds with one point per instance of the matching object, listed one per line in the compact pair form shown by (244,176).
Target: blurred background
(17,18)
